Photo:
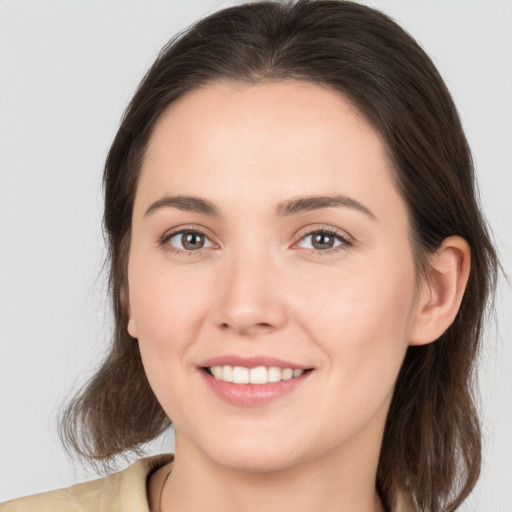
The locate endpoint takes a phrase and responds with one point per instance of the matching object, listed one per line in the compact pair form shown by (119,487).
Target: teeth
(287,374)
(258,375)
(217,372)
(274,374)
(240,375)
(227,374)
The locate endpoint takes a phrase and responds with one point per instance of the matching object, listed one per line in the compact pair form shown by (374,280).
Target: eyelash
(342,237)
(345,240)
(183,231)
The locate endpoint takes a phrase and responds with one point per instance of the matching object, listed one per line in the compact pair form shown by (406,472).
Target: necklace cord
(162,490)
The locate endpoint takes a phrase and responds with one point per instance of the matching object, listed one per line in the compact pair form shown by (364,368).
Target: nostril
(247,327)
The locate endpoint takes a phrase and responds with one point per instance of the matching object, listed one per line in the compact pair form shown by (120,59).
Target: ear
(441,291)
(125,301)
(132,327)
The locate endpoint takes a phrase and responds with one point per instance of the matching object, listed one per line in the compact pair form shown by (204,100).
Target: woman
(299,270)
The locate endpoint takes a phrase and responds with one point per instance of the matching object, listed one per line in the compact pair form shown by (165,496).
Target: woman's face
(268,235)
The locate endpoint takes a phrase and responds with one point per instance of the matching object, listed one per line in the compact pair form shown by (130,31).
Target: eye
(323,240)
(188,240)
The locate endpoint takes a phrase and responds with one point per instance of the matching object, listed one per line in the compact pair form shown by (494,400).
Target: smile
(252,381)
(258,375)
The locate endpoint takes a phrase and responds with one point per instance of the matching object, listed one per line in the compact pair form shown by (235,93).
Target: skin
(258,287)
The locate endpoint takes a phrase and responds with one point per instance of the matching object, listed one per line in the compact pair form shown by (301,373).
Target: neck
(341,481)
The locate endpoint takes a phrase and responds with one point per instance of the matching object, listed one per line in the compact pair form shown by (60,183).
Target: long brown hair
(432,446)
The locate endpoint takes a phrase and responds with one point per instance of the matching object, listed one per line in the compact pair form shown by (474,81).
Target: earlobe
(132,326)
(442,291)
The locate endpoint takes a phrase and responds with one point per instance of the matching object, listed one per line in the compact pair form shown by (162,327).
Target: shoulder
(124,491)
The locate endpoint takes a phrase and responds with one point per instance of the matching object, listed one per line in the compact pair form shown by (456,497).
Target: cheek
(167,309)
(362,318)
(361,325)
(166,306)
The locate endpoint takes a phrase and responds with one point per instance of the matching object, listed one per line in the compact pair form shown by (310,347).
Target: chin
(256,460)
(252,454)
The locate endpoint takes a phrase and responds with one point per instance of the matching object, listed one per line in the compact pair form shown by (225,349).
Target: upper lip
(251,362)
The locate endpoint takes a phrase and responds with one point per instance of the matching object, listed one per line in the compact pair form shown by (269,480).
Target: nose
(250,301)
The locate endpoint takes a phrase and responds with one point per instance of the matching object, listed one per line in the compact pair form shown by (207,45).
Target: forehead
(265,141)
(291,114)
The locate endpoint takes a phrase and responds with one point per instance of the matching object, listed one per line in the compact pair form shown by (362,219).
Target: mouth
(258,375)
(252,381)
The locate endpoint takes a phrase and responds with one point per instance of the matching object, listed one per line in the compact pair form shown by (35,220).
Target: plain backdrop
(67,70)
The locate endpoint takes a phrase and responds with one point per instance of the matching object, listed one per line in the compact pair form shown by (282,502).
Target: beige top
(125,491)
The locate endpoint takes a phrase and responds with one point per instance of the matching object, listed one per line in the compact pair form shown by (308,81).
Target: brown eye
(322,241)
(189,241)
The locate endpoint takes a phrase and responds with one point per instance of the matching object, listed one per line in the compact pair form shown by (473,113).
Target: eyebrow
(185,203)
(310,203)
(289,207)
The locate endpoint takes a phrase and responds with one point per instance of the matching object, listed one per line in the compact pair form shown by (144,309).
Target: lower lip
(253,395)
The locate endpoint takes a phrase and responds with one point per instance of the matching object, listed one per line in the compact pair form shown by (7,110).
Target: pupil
(193,241)
(323,241)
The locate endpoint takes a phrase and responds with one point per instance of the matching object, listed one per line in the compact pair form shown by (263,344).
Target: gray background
(67,70)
